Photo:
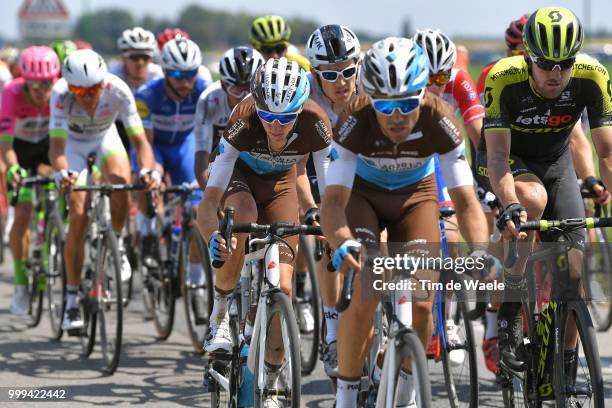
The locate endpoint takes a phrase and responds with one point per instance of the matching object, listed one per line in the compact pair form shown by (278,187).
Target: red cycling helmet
(170,34)
(514,32)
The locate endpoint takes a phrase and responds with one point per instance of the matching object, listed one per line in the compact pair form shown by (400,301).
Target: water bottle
(245,392)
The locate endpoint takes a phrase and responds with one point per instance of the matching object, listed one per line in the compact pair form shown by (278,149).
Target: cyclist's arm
(144,152)
(340,179)
(303,187)
(221,170)
(56,154)
(602,139)
(201,164)
(58,128)
(458,177)
(473,131)
(7,130)
(582,154)
(500,175)
(203,132)
(130,116)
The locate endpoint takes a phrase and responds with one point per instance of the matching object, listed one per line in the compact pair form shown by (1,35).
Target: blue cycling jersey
(170,121)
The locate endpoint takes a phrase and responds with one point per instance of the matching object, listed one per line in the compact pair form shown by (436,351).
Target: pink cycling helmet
(39,63)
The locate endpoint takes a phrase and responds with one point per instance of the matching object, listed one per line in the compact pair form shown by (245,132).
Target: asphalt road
(160,373)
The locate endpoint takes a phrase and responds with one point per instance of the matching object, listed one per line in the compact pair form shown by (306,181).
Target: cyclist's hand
(343,259)
(15,174)
(514,214)
(597,187)
(64,179)
(313,217)
(217,247)
(150,178)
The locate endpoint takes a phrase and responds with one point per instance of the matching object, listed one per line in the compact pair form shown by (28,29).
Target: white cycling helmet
(394,67)
(441,51)
(84,68)
(238,65)
(181,54)
(332,43)
(137,40)
(280,86)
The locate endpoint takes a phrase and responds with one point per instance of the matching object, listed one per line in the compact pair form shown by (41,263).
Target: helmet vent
(569,36)
(556,34)
(543,39)
(392,76)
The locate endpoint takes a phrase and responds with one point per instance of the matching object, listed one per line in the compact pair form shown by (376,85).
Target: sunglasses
(138,57)
(178,75)
(548,65)
(439,79)
(85,90)
(282,118)
(332,76)
(40,84)
(405,105)
(238,91)
(270,49)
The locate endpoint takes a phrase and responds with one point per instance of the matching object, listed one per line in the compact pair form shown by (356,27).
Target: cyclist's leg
(114,163)
(355,328)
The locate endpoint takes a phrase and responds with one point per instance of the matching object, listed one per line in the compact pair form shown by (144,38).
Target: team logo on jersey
(233,131)
(545,119)
(565,95)
(346,128)
(451,130)
(333,154)
(323,131)
(143,108)
(472,96)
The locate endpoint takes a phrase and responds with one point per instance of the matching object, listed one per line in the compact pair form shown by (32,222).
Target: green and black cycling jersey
(540,127)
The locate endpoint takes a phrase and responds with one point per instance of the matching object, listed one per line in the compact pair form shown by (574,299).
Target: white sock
(406,394)
(197,274)
(219,309)
(71,296)
(346,393)
(331,323)
(491,317)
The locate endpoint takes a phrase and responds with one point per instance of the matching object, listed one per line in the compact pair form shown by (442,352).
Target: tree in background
(103,27)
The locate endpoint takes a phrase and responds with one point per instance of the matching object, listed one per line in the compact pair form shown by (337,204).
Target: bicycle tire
(89,315)
(409,346)
(164,294)
(588,340)
(110,304)
(310,354)
(55,273)
(36,297)
(279,304)
(197,332)
(460,398)
(601,305)
(3,243)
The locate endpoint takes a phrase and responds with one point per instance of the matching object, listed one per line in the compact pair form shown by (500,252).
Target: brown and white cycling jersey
(245,139)
(360,148)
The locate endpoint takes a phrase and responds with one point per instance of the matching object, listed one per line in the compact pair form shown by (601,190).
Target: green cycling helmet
(553,33)
(62,48)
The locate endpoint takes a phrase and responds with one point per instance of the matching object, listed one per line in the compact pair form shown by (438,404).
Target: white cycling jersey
(316,93)
(85,133)
(153,71)
(212,114)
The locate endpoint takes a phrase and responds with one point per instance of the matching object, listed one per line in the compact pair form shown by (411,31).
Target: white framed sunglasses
(332,76)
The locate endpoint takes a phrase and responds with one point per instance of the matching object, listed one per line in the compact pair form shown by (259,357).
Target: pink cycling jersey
(19,118)
(460,92)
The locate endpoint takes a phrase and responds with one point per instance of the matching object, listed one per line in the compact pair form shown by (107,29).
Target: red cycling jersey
(460,92)
(481,81)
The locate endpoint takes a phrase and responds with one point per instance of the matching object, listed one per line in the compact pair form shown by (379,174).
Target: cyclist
(84,106)
(213,111)
(381,176)
(532,103)
(270,35)
(170,34)
(167,106)
(62,48)
(254,171)
(24,143)
(333,52)
(137,47)
(10,56)
(456,87)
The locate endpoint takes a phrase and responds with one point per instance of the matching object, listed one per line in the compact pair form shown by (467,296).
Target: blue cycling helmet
(394,67)
(280,86)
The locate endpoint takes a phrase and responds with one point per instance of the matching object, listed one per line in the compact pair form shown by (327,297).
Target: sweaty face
(550,84)
(341,90)
(277,133)
(398,126)
(182,87)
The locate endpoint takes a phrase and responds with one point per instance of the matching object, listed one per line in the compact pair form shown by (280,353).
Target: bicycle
(100,294)
(518,374)
(259,285)
(169,278)
(45,261)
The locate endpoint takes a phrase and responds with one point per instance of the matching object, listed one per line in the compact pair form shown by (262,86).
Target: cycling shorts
(561,184)
(276,197)
(30,155)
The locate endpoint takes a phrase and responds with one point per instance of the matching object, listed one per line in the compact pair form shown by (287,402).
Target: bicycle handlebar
(109,188)
(346,295)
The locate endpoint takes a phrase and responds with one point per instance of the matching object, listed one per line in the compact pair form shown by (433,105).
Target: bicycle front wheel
(577,382)
(110,301)
(598,277)
(282,384)
(56,274)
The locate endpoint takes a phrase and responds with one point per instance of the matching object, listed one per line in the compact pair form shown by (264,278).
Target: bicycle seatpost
(347,287)
(226,227)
